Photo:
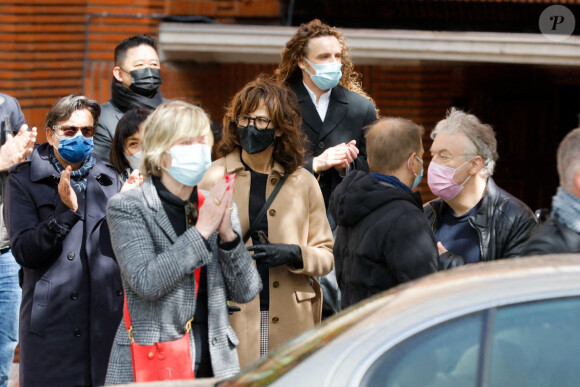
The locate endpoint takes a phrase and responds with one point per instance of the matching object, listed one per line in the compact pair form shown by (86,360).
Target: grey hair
(481,136)
(568,157)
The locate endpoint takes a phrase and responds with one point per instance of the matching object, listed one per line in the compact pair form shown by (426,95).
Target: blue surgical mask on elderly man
(189,163)
(327,74)
(74,149)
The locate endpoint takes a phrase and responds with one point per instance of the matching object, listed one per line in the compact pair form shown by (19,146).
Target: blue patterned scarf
(566,207)
(78,178)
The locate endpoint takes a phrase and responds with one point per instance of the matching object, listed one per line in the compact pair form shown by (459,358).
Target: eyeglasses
(261,123)
(70,131)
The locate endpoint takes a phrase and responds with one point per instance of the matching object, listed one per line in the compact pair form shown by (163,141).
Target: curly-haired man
(316,65)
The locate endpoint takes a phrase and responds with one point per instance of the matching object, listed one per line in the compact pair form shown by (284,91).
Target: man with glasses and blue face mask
(72,295)
(473,219)
(387,241)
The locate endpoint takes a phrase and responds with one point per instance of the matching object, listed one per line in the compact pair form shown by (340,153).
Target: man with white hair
(561,233)
(473,219)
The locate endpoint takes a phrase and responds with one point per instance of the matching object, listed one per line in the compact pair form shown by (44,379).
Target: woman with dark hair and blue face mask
(71,288)
(179,249)
(263,145)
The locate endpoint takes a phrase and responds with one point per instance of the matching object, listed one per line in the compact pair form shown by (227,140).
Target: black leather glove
(277,254)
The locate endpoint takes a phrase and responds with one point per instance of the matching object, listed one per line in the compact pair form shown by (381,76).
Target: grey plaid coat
(157,271)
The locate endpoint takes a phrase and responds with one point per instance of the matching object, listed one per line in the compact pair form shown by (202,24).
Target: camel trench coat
(296,216)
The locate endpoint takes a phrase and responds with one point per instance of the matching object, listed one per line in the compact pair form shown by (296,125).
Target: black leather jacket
(502,222)
(553,238)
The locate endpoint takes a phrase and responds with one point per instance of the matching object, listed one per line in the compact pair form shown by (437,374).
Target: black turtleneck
(175,208)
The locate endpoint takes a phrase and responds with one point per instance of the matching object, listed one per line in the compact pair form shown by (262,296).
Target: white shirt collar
(323,101)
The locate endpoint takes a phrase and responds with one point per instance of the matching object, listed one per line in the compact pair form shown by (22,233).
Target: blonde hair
(170,122)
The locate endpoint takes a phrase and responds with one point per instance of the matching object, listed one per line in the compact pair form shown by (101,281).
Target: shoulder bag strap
(264,208)
(127,318)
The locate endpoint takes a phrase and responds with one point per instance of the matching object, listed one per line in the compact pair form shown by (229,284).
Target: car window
(536,343)
(446,355)
(531,344)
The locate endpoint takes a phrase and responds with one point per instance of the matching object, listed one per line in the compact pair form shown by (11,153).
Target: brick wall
(43,48)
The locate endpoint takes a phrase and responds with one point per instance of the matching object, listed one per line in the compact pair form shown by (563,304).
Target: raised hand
(225,229)
(65,190)
(133,181)
(17,148)
(211,214)
(338,157)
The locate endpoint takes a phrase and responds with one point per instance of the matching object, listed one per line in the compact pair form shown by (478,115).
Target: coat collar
(233,163)
(96,195)
(488,205)
(483,214)
(154,203)
(337,109)
(40,165)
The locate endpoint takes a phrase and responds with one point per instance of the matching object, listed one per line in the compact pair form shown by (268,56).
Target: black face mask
(254,140)
(145,81)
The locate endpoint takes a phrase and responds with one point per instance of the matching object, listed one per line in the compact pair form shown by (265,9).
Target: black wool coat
(383,238)
(347,115)
(72,295)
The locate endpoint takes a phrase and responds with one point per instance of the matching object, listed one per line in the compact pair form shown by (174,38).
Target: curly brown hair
(282,105)
(288,71)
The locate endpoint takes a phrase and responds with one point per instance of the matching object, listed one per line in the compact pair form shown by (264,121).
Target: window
(531,344)
(446,355)
(537,343)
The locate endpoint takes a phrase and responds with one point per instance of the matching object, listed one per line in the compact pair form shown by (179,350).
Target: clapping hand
(216,212)
(65,190)
(17,148)
(337,157)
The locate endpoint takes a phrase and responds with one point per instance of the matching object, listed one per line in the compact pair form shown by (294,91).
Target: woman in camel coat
(262,143)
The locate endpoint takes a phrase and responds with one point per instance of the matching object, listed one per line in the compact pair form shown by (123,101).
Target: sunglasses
(71,131)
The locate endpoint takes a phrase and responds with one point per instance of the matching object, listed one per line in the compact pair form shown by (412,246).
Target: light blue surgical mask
(74,149)
(417,177)
(327,74)
(189,163)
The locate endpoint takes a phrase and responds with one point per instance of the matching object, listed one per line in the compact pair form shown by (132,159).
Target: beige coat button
(272,212)
(276,284)
(275,320)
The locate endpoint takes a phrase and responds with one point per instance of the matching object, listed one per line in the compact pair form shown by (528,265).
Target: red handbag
(169,360)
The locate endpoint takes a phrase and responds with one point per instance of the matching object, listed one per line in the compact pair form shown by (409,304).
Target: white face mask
(134,160)
(189,163)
